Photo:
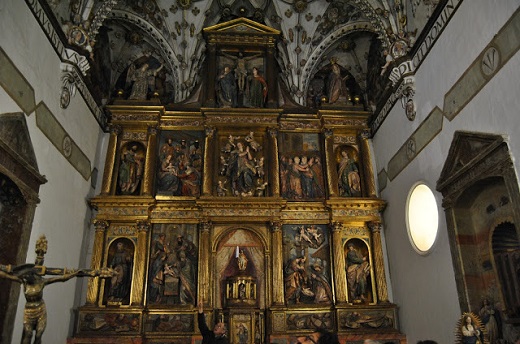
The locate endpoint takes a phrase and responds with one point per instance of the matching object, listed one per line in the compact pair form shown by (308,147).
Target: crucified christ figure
(241,67)
(31,277)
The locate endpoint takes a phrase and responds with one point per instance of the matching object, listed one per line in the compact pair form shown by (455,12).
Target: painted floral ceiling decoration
(362,36)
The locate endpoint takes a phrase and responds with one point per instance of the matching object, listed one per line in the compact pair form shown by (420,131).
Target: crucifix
(31,277)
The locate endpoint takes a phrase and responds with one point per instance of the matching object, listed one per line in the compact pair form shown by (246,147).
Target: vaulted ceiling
(356,33)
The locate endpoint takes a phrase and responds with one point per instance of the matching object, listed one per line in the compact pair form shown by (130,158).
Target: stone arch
(20,182)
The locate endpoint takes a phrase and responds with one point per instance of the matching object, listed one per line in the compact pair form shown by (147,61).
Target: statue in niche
(130,168)
(142,78)
(227,88)
(337,88)
(349,181)
(121,260)
(242,260)
(241,67)
(358,270)
(257,89)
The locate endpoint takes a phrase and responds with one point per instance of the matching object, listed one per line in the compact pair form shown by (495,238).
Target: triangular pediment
(241,26)
(467,149)
(15,135)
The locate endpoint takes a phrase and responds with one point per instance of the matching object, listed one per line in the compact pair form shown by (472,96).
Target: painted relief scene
(131,168)
(240,268)
(358,272)
(301,169)
(307,267)
(120,258)
(349,180)
(172,274)
(241,82)
(180,163)
(242,165)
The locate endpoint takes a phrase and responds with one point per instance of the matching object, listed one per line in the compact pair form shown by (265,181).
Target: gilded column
(140,265)
(382,291)
(274,166)
(277,264)
(204,262)
(149,168)
(108,174)
(209,147)
(101,227)
(330,162)
(368,171)
(340,280)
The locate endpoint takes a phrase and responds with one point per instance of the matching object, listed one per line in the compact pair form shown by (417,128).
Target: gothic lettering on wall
(172,274)
(180,164)
(307,264)
(301,170)
(131,168)
(121,259)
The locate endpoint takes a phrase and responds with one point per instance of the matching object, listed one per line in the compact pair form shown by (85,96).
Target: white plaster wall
(424,286)
(62,214)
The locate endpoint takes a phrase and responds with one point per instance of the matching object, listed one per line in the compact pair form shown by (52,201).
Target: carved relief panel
(301,169)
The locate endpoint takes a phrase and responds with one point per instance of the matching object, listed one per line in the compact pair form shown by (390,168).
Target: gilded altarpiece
(269,218)
(272,258)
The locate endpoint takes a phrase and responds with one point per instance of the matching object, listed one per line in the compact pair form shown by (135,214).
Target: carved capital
(336,226)
(329,133)
(101,225)
(273,132)
(152,130)
(205,226)
(275,226)
(375,226)
(143,226)
(210,131)
(365,134)
(115,129)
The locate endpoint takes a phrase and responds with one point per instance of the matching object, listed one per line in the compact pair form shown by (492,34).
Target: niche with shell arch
(348,171)
(480,188)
